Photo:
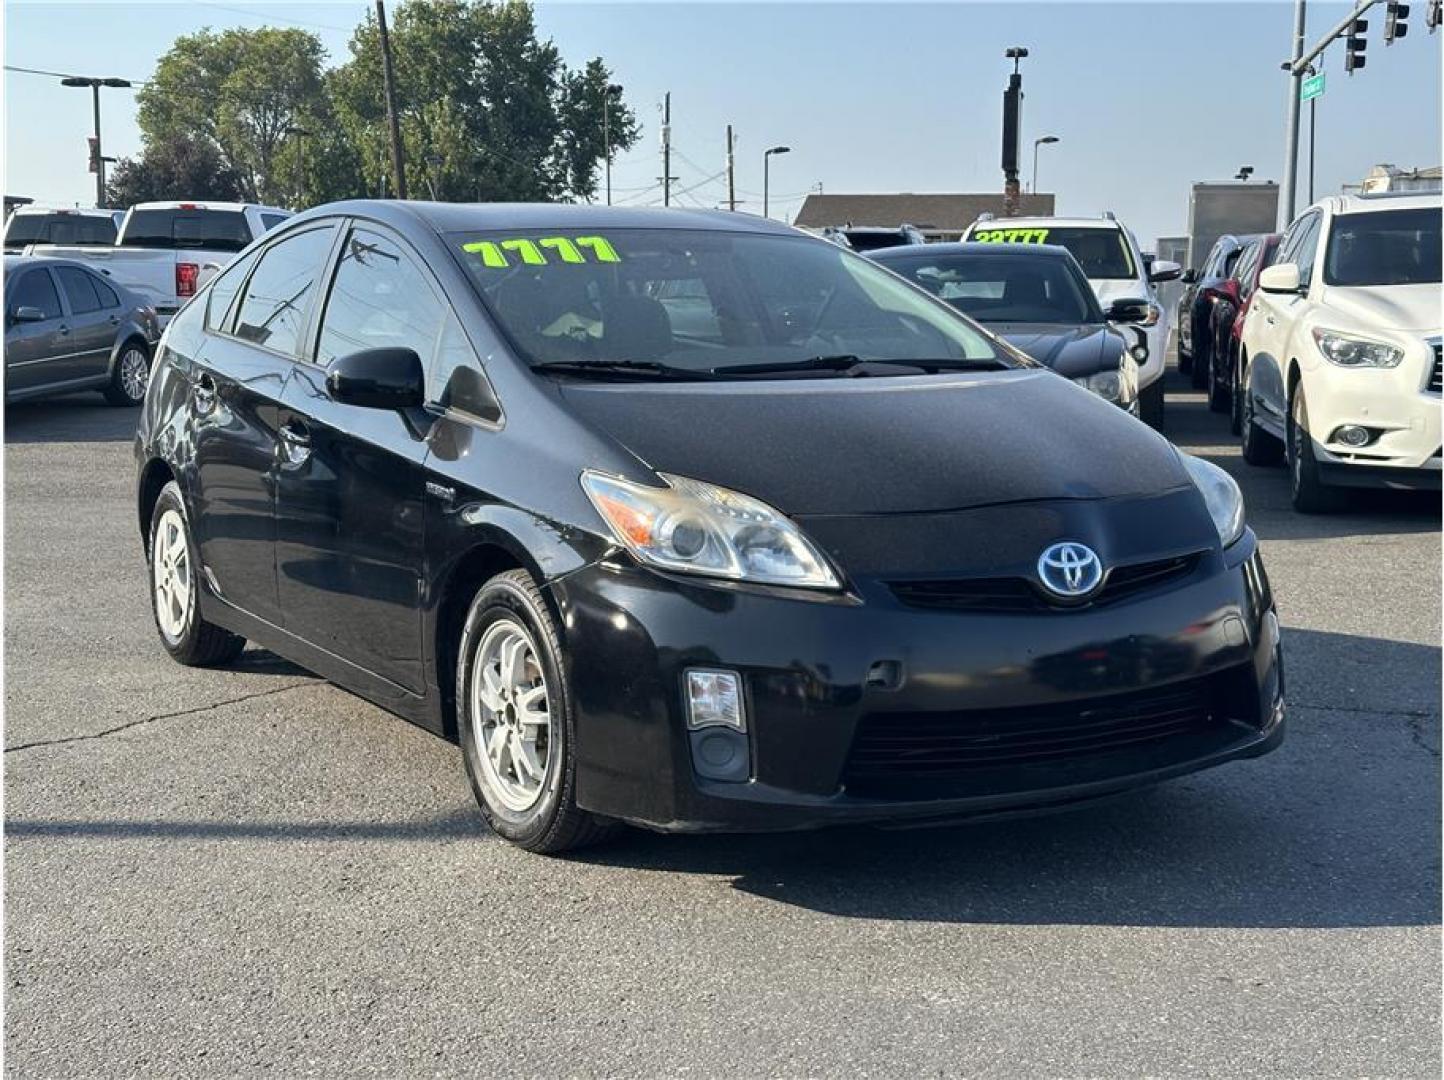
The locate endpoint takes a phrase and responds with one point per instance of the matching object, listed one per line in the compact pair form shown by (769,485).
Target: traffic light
(1394,24)
(1354,45)
(94,153)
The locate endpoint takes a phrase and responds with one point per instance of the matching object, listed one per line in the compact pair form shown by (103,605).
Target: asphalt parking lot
(238,871)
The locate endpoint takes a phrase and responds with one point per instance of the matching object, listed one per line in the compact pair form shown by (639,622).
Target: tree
(246,93)
(487,111)
(173,169)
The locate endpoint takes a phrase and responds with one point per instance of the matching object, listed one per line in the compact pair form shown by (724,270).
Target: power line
(278,18)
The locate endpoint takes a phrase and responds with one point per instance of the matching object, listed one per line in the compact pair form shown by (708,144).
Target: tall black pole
(731,173)
(667,149)
(607,137)
(398,165)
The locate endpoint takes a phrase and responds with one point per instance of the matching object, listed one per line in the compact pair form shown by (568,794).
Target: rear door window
(211,230)
(277,299)
(79,290)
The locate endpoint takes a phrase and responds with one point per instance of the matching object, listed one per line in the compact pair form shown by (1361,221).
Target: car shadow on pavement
(78,418)
(1338,828)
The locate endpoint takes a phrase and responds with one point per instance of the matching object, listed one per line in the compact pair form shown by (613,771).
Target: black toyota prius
(692,521)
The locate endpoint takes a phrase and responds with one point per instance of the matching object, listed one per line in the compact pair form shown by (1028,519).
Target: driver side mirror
(1164,270)
(1127,311)
(1280,278)
(25,314)
(378,379)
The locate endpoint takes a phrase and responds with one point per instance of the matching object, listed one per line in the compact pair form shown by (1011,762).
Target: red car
(1231,299)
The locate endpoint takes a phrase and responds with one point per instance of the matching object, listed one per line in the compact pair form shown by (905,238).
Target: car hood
(1389,307)
(884,445)
(1073,351)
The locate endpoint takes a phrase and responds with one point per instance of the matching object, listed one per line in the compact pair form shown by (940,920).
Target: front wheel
(1220,388)
(130,377)
(175,589)
(514,715)
(1310,495)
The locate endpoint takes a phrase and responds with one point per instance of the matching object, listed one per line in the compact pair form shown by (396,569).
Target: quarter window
(36,290)
(1306,250)
(456,379)
(380,299)
(78,290)
(278,296)
(108,299)
(223,290)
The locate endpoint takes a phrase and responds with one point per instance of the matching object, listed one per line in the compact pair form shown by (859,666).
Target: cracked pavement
(245,871)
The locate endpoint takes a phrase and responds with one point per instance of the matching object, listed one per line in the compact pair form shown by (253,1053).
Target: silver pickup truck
(166,251)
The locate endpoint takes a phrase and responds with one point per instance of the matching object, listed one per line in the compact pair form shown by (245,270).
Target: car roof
(16,262)
(486,217)
(206,204)
(970,247)
(31,210)
(1383,200)
(1044,222)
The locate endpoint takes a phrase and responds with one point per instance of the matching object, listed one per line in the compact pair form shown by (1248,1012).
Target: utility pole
(731,173)
(398,165)
(667,149)
(611,90)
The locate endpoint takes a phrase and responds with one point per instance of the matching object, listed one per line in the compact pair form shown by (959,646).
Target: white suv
(1340,355)
(1110,257)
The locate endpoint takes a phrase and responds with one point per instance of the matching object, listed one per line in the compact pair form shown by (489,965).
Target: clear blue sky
(1146,97)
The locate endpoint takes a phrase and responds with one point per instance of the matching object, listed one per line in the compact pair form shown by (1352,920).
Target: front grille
(1436,375)
(907,754)
(1005,594)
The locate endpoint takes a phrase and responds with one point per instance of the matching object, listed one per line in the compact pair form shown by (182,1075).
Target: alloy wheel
(134,374)
(171,575)
(510,715)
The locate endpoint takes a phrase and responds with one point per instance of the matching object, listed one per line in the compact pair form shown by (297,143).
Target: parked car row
(1323,344)
(86,303)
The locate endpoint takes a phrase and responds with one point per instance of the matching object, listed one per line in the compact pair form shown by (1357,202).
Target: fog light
(714,699)
(1353,435)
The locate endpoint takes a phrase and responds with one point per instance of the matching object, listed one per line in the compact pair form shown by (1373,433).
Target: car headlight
(1220,494)
(700,528)
(1119,387)
(1346,350)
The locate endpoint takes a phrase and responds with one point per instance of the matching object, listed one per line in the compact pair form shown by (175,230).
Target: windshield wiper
(641,369)
(848,362)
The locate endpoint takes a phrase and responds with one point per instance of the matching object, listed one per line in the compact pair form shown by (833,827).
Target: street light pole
(1046,140)
(612,90)
(767,173)
(1291,152)
(99,162)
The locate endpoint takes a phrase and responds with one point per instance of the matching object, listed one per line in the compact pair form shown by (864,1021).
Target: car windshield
(1384,247)
(71,229)
(1101,251)
(702,301)
(1029,287)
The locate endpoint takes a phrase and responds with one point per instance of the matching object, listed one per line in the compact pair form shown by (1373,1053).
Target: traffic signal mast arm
(1300,66)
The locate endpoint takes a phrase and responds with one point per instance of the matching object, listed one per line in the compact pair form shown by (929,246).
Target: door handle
(295,442)
(63,330)
(204,391)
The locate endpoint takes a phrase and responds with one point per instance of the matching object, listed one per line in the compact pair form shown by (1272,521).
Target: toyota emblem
(1070,570)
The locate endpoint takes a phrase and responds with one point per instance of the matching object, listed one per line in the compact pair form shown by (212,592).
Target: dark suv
(691,520)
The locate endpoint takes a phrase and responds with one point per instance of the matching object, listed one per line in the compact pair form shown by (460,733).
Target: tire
(130,377)
(509,651)
(1309,494)
(1235,397)
(175,586)
(1198,374)
(1220,385)
(1185,360)
(1150,404)
(1259,447)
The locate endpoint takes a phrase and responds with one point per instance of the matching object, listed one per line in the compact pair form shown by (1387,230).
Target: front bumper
(823,731)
